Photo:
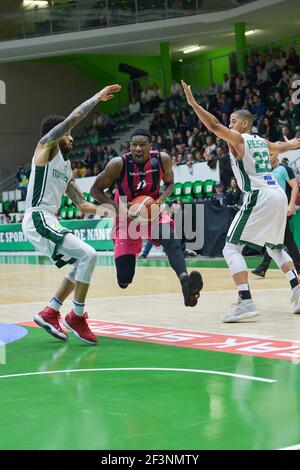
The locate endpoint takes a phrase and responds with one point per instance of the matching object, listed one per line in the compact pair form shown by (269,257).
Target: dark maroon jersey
(140,179)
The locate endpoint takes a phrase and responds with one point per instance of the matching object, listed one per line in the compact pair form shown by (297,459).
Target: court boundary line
(149,295)
(139,369)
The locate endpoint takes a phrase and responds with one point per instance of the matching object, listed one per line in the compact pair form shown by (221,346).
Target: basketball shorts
(128,236)
(44,231)
(261,220)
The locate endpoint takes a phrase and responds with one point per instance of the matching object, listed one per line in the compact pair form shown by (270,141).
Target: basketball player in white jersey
(262,218)
(51,177)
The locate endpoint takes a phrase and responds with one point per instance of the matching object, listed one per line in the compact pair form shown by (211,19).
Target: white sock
(55,303)
(78,308)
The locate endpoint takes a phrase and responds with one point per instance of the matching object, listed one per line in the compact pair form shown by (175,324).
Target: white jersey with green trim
(254,170)
(48,183)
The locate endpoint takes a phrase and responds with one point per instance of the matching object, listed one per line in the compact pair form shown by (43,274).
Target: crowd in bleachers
(265,88)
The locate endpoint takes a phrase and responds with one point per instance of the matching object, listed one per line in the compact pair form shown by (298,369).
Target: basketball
(144,209)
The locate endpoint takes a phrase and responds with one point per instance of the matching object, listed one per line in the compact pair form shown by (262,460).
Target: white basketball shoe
(242,310)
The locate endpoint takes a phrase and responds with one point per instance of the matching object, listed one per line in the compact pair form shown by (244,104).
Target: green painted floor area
(143,409)
(108,260)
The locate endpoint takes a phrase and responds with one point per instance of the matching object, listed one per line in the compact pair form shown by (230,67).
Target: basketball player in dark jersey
(136,173)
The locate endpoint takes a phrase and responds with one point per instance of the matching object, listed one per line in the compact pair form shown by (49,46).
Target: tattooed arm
(44,150)
(74,193)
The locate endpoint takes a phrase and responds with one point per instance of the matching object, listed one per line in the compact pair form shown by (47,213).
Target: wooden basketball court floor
(162,376)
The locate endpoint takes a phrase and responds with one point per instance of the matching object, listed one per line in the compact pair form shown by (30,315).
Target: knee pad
(86,265)
(72,274)
(233,257)
(279,256)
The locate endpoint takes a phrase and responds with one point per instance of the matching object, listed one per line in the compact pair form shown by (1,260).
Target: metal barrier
(94,14)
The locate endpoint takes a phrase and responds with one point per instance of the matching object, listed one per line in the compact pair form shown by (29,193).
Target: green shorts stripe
(238,229)
(40,179)
(240,215)
(45,231)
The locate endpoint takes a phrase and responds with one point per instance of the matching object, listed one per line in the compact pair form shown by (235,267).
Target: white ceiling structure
(272,20)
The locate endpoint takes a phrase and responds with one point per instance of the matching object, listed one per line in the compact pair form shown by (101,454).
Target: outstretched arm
(105,180)
(280,147)
(78,114)
(210,121)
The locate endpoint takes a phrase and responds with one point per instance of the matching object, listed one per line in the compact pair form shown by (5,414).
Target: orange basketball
(144,209)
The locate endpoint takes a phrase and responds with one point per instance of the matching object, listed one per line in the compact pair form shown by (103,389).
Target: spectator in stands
(292,58)
(99,153)
(285,161)
(281,60)
(267,129)
(175,94)
(286,133)
(80,168)
(251,70)
(207,104)
(96,170)
(258,108)
(7,219)
(109,153)
(270,65)
(157,99)
(173,122)
(89,157)
(225,166)
(209,148)
(134,110)
(262,81)
(219,198)
(237,102)
(213,89)
(180,159)
(225,87)
(234,194)
(22,180)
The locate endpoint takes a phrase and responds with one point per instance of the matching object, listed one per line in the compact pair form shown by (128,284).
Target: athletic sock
(292,277)
(244,291)
(55,303)
(78,308)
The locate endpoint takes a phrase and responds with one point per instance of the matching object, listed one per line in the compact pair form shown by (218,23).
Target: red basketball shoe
(79,327)
(49,320)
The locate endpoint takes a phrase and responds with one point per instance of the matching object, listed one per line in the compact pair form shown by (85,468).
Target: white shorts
(44,231)
(261,220)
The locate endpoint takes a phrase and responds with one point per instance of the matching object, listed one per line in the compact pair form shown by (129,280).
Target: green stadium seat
(69,202)
(208,187)
(63,213)
(177,190)
(6,206)
(197,189)
(187,189)
(70,212)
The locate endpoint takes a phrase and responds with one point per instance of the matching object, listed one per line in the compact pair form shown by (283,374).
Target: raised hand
(106,93)
(294,143)
(188,93)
